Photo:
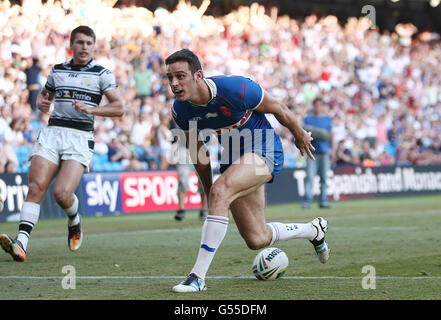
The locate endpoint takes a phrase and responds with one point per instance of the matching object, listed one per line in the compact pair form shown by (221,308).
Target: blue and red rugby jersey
(232,107)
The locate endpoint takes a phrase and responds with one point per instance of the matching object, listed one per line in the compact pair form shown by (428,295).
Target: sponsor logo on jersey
(81,96)
(211,115)
(66,94)
(225,111)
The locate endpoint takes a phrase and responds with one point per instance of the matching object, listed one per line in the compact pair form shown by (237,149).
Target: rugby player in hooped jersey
(64,148)
(227,104)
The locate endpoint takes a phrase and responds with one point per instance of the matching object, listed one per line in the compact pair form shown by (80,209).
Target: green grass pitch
(142,256)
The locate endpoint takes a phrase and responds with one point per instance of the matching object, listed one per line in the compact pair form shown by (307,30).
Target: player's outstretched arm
(115,107)
(282,113)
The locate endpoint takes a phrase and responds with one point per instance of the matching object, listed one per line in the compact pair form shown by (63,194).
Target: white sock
(73,218)
(282,231)
(213,232)
(29,214)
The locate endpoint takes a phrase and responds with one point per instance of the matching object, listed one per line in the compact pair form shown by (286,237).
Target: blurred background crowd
(382,89)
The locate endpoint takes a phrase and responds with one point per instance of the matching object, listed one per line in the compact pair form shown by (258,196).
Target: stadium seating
(360,89)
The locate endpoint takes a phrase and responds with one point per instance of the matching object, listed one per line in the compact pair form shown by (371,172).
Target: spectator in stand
(373,80)
(5,129)
(16,137)
(342,155)
(135,164)
(381,135)
(141,132)
(32,72)
(385,159)
(403,158)
(366,156)
(28,132)
(8,158)
(165,139)
(101,140)
(119,150)
(143,80)
(356,151)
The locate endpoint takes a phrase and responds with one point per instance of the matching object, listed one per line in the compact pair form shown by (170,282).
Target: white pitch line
(198,230)
(216,277)
(133,232)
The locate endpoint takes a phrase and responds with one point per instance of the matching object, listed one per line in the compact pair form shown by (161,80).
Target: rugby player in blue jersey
(232,107)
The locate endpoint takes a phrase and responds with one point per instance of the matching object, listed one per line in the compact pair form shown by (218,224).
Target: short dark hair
(84,30)
(318,100)
(185,55)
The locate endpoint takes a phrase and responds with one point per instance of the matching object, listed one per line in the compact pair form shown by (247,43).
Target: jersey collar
(212,87)
(213,91)
(76,67)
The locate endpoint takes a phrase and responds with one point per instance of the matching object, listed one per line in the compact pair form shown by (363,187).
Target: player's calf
(258,241)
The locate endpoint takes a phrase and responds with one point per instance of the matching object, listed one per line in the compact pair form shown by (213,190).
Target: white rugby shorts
(58,143)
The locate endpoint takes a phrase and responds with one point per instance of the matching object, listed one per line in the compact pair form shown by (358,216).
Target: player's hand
(304,143)
(45,104)
(81,107)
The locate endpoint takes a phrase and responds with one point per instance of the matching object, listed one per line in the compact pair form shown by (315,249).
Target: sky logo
(102,193)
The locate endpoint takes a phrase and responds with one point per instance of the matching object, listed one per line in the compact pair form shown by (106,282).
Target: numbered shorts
(57,143)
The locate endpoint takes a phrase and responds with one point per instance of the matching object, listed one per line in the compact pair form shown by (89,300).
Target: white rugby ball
(270,264)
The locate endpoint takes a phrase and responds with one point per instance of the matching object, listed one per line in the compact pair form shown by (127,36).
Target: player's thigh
(40,175)
(243,177)
(68,179)
(249,215)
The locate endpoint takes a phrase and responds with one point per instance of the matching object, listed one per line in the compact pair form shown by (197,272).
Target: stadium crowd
(382,88)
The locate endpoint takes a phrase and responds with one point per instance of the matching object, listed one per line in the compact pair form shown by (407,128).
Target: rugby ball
(270,264)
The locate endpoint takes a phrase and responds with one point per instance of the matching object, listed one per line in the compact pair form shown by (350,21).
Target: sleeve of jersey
(179,117)
(50,84)
(107,81)
(251,94)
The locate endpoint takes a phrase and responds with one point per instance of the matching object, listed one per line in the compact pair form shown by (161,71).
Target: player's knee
(62,196)
(256,242)
(36,190)
(219,192)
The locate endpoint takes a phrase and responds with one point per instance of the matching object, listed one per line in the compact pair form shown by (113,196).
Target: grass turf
(142,256)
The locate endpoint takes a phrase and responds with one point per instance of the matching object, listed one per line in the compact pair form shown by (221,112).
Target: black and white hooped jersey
(71,82)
